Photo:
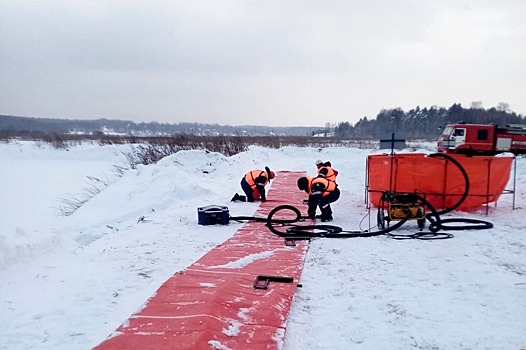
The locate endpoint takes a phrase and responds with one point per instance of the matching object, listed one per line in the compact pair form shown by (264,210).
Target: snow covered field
(67,282)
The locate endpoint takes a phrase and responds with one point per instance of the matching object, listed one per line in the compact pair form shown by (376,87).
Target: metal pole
(514,179)
(487,186)
(367,205)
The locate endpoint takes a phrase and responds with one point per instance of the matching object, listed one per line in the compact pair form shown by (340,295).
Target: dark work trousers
(325,202)
(248,191)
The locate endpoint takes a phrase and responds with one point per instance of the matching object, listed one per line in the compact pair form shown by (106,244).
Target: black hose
(422,235)
(466,181)
(327,231)
(276,221)
(474,224)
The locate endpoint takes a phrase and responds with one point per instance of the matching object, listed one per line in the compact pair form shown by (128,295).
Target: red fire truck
(482,139)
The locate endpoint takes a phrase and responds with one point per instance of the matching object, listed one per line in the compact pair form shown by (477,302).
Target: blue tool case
(212,215)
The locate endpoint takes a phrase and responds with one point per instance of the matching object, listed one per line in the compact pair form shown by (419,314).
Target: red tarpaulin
(213,303)
(438,179)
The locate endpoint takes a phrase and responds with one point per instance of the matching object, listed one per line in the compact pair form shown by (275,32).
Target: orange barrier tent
(237,296)
(438,179)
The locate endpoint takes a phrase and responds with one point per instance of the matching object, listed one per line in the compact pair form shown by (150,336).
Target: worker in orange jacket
(325,170)
(253,184)
(322,193)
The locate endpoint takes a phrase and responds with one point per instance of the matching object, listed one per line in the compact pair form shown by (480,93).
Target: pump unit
(400,206)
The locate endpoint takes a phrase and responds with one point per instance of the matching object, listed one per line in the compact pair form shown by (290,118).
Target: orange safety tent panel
(213,304)
(438,179)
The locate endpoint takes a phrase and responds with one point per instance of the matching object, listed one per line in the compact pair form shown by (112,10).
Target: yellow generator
(400,206)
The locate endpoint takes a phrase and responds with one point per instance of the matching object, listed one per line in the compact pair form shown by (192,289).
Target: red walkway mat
(213,304)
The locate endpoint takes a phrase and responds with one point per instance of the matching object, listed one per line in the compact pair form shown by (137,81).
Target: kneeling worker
(253,184)
(322,193)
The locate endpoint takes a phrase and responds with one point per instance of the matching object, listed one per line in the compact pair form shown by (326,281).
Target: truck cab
(467,139)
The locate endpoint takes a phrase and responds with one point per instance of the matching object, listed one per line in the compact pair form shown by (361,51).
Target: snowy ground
(67,282)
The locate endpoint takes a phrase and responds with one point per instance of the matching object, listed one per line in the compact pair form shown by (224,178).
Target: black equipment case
(212,215)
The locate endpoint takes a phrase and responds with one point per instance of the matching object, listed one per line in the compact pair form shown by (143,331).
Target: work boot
(326,218)
(238,197)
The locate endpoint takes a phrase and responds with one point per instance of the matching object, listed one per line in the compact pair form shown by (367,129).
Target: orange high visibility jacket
(328,186)
(256,178)
(328,172)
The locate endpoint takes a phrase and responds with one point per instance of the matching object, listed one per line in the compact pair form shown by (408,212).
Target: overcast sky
(265,62)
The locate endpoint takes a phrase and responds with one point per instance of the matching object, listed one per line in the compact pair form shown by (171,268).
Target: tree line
(417,123)
(425,123)
(32,126)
